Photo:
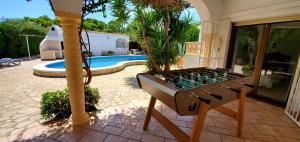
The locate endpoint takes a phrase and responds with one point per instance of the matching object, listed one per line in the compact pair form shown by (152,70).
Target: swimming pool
(102,61)
(99,65)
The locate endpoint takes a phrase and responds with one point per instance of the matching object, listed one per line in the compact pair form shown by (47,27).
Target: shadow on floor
(132,82)
(106,122)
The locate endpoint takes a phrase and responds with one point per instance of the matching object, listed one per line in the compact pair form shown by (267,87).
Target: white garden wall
(104,42)
(100,43)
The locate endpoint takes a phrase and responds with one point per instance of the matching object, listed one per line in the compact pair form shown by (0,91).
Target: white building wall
(241,10)
(103,42)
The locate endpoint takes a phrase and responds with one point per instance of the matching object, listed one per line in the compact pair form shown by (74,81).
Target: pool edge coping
(43,71)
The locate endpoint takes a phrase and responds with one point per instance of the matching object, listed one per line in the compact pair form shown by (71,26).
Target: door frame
(259,59)
(260,51)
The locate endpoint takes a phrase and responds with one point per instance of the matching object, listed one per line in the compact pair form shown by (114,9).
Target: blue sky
(36,8)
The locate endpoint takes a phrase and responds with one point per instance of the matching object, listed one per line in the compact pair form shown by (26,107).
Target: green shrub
(12,44)
(247,69)
(109,53)
(88,54)
(56,105)
(92,97)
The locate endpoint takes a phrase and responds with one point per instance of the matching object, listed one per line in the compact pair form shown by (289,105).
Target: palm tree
(121,12)
(162,31)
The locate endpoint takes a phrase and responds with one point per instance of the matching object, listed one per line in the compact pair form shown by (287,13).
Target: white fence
(293,105)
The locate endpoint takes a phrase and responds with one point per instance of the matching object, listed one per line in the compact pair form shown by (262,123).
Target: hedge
(12,44)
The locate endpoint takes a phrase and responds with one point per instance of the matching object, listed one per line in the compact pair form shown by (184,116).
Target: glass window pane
(245,49)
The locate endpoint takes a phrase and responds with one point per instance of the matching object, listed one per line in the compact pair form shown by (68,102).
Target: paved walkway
(123,108)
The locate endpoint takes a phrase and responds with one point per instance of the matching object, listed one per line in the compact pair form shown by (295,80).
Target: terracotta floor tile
(4,139)
(249,128)
(209,121)
(247,135)
(185,118)
(171,114)
(170,140)
(73,134)
(123,106)
(265,138)
(270,117)
(97,126)
(152,138)
(151,127)
(49,140)
(179,123)
(112,130)
(288,132)
(93,136)
(163,132)
(32,134)
(132,134)
(130,140)
(127,125)
(53,132)
(218,130)
(186,130)
(282,139)
(250,140)
(231,139)
(223,123)
(266,130)
(213,113)
(113,138)
(209,137)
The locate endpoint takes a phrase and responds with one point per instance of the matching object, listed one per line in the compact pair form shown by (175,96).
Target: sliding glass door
(280,61)
(270,52)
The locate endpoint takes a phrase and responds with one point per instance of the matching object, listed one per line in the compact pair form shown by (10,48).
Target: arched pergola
(209,12)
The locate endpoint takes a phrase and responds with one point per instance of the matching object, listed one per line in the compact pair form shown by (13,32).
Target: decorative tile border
(43,71)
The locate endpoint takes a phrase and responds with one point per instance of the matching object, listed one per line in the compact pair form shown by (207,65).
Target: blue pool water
(102,61)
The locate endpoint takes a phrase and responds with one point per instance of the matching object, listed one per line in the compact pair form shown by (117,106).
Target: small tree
(161,29)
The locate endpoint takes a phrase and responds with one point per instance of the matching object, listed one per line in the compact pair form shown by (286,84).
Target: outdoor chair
(10,62)
(16,61)
(4,61)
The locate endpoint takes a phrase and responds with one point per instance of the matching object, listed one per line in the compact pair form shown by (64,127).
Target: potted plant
(247,69)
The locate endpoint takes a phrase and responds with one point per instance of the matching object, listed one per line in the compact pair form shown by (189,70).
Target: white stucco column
(74,70)
(208,34)
(68,12)
(210,12)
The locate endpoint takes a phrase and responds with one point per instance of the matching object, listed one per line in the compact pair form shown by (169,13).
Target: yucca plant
(161,52)
(161,30)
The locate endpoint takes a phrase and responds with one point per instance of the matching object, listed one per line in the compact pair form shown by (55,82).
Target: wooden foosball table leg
(199,122)
(148,115)
(241,105)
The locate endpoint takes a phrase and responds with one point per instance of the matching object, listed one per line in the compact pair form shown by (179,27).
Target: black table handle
(207,101)
(235,90)
(213,95)
(249,85)
(217,96)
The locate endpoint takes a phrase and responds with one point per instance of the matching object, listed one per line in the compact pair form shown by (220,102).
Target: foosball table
(194,92)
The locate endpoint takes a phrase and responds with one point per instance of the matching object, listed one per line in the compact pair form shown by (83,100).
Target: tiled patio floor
(122,110)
